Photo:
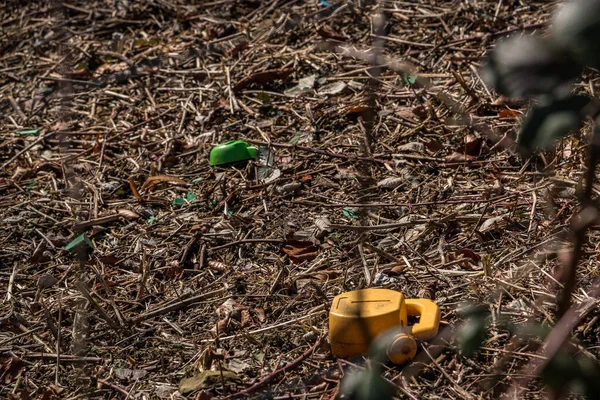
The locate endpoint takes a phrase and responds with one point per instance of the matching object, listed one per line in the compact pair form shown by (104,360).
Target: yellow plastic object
(358,317)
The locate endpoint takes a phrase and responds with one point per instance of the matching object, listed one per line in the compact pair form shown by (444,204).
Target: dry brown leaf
(299,251)
(420,112)
(434,146)
(220,328)
(261,78)
(397,270)
(456,156)
(245,318)
(326,275)
(508,113)
(470,254)
(260,314)
(472,146)
(128,213)
(11,368)
(328,33)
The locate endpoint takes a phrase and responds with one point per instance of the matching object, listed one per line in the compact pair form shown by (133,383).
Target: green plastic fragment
(83,238)
(180,201)
(191,197)
(35,132)
(409,79)
(350,213)
(81,246)
(231,152)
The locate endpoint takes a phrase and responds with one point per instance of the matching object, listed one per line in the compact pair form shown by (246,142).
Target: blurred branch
(557,337)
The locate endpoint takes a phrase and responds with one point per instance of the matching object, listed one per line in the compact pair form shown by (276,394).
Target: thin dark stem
(585,218)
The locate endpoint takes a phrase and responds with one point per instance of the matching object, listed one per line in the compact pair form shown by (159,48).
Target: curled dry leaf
(459,157)
(134,190)
(11,368)
(390,183)
(229,311)
(416,147)
(470,254)
(217,266)
(490,223)
(152,181)
(299,251)
(260,314)
(326,275)
(510,114)
(128,214)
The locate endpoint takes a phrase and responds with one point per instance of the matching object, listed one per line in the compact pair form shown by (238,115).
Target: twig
(177,306)
(16,107)
(238,242)
(273,375)
(31,145)
(65,358)
(268,328)
(318,151)
(116,55)
(586,218)
(84,291)
(114,387)
(557,337)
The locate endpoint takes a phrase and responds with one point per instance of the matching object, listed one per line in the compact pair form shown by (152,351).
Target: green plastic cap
(231,152)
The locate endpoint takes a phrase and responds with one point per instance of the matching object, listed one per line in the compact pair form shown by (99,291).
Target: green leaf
(561,369)
(366,385)
(528,66)
(576,29)
(550,120)
(471,335)
(350,213)
(151,219)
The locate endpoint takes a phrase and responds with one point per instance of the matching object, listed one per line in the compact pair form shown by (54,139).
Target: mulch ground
(367,178)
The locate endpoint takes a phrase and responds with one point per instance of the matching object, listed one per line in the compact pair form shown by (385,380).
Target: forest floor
(197,281)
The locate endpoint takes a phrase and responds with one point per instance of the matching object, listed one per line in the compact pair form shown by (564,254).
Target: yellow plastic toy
(358,317)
